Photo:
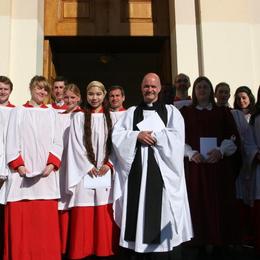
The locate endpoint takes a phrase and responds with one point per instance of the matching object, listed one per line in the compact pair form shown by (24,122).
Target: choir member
(57,94)
(32,188)
(6,87)
(244,179)
(211,144)
(244,101)
(116,98)
(182,85)
(89,170)
(254,155)
(72,98)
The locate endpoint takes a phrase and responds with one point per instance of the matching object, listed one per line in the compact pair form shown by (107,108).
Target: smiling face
(71,99)
(151,88)
(242,100)
(95,97)
(116,99)
(58,90)
(5,91)
(38,94)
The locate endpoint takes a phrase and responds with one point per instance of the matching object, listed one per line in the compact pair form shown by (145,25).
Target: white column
(26,45)
(184,37)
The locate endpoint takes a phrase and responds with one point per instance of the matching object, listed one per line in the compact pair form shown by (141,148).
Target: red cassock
(211,187)
(27,226)
(31,212)
(92,232)
(5,112)
(1,230)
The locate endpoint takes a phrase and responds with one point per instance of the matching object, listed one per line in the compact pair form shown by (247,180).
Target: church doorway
(114,41)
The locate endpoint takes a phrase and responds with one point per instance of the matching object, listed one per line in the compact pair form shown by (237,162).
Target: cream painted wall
(23,49)
(255,34)
(184,37)
(231,42)
(5,28)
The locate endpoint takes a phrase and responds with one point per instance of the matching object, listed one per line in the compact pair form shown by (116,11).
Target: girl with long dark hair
(92,228)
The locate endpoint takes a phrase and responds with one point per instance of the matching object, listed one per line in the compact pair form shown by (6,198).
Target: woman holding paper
(89,171)
(211,139)
(32,188)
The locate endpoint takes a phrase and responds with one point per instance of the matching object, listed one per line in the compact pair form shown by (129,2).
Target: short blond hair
(40,81)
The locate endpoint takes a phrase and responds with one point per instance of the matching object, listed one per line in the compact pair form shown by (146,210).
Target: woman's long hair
(211,95)
(87,126)
(256,108)
(250,95)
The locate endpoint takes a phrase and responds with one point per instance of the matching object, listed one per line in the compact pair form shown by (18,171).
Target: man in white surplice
(150,198)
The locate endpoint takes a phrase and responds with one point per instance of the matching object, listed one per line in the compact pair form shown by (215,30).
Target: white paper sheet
(151,123)
(98,181)
(32,174)
(207,144)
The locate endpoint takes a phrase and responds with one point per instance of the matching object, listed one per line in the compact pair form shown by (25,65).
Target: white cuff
(188,152)
(227,147)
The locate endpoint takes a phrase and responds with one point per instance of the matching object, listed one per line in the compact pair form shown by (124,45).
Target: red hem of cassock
(64,228)
(93,232)
(1,231)
(32,230)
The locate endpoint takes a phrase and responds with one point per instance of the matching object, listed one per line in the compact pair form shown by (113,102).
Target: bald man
(151,205)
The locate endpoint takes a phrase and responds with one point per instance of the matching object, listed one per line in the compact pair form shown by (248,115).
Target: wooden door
(106,18)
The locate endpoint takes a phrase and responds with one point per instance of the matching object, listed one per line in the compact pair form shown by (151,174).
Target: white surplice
(176,224)
(4,118)
(78,164)
(30,135)
(4,169)
(62,125)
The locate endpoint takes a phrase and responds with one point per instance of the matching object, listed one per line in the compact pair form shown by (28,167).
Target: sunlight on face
(38,94)
(95,97)
(150,89)
(71,99)
(5,91)
(116,99)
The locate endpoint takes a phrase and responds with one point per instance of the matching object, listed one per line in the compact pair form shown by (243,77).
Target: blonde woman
(72,98)
(32,188)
